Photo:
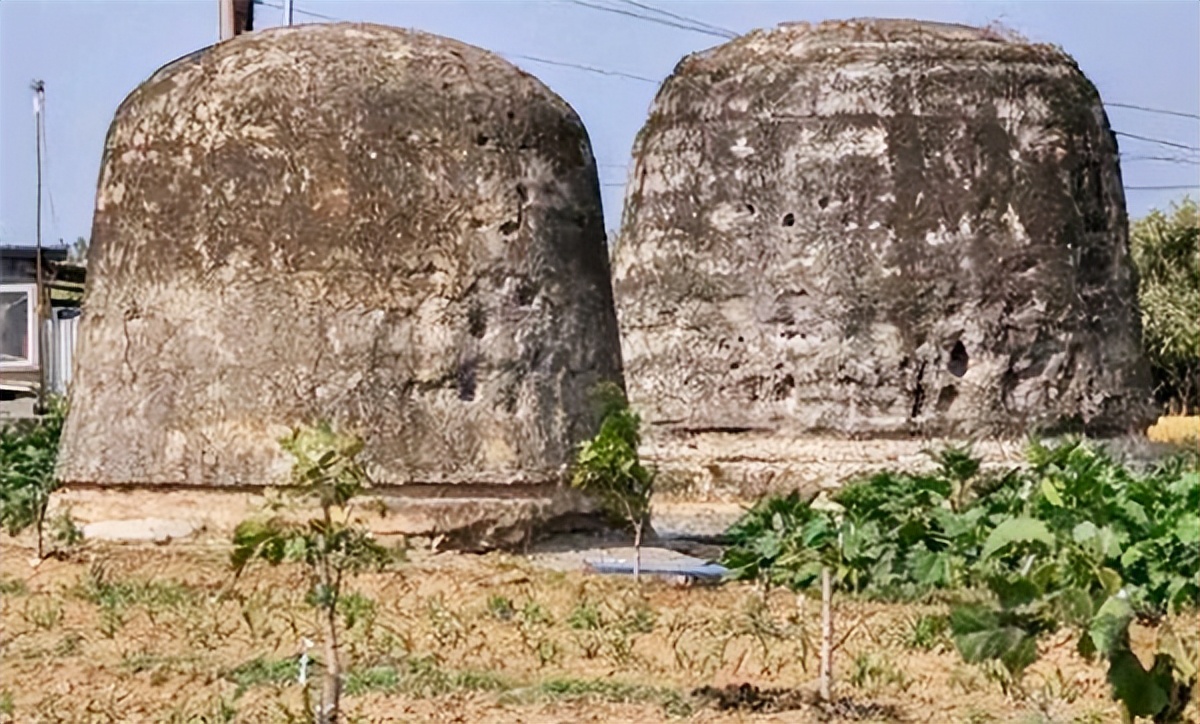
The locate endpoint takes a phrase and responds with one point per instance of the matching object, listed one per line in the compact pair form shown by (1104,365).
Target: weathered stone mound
(878,229)
(387,229)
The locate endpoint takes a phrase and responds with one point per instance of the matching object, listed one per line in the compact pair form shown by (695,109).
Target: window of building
(18,326)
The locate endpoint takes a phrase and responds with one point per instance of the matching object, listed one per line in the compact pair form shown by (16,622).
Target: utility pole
(287,12)
(39,104)
(225,16)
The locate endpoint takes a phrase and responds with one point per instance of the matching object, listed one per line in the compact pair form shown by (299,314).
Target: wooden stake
(826,633)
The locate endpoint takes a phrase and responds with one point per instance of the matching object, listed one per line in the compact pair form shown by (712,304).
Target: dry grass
(1176,429)
(153,634)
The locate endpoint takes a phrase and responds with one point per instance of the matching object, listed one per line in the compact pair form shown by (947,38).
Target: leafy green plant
(330,546)
(262,671)
(607,467)
(28,454)
(1032,549)
(500,607)
(64,530)
(926,631)
(1166,250)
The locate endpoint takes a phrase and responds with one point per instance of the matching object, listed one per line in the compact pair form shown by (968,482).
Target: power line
(684,18)
(1159,141)
(530,58)
(660,21)
(1165,159)
(1162,188)
(298,10)
(713,30)
(578,66)
(1161,111)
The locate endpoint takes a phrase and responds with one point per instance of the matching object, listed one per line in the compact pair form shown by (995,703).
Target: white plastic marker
(303,678)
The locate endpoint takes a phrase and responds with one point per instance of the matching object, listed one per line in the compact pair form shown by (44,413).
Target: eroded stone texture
(388,229)
(877,229)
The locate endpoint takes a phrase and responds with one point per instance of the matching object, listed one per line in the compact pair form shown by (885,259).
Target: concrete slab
(158,530)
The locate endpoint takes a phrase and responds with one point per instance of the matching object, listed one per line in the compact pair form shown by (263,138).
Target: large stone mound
(391,230)
(879,229)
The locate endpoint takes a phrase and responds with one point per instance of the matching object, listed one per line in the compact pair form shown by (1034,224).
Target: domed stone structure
(387,229)
(877,229)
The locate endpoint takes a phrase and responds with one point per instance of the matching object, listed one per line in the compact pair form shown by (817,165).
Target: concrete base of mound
(744,466)
(463,517)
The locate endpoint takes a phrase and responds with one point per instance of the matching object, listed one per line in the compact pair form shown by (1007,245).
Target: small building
(26,348)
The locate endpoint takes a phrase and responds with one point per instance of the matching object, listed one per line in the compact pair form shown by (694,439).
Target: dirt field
(162,634)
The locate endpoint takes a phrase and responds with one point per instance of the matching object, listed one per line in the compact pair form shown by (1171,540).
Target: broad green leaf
(1050,493)
(1075,607)
(930,569)
(1014,592)
(1109,630)
(1016,530)
(1187,529)
(1110,581)
(973,619)
(1140,692)
(1085,531)
(978,636)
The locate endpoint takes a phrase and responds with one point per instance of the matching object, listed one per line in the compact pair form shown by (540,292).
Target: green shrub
(1166,251)
(1069,539)
(332,546)
(28,454)
(607,467)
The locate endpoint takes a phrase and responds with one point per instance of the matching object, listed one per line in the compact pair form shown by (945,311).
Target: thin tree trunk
(41,517)
(826,633)
(637,553)
(331,682)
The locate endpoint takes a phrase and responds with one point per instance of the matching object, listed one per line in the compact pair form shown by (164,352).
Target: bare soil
(145,633)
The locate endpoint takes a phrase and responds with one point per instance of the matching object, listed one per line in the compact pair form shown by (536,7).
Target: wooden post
(39,103)
(826,633)
(225,17)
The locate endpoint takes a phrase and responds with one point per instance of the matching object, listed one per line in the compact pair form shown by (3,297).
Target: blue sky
(91,53)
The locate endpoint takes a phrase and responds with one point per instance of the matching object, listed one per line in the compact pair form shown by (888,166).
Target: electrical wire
(1192,187)
(684,18)
(295,9)
(1161,111)
(578,66)
(521,56)
(717,31)
(1159,141)
(647,18)
(1163,159)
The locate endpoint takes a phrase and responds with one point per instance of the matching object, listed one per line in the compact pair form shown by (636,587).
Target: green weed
(263,672)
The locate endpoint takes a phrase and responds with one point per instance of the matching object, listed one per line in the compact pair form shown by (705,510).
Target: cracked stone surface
(388,229)
(868,231)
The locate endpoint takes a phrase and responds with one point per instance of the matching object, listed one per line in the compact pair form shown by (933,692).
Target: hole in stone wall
(476,321)
(526,294)
(958,360)
(508,227)
(946,398)
(823,201)
(789,219)
(918,392)
(750,208)
(734,366)
(481,140)
(783,387)
(466,381)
